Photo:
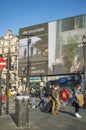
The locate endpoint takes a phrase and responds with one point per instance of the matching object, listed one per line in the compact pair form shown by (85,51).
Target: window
(67,24)
(80,21)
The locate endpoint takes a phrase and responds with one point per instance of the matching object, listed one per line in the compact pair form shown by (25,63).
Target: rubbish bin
(22,111)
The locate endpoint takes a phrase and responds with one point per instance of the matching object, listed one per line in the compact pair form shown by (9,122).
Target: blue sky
(15,14)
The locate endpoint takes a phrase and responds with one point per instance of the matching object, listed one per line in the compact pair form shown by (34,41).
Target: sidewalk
(6,123)
(43,121)
(66,120)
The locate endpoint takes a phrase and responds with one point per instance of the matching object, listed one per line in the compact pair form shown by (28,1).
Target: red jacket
(64,95)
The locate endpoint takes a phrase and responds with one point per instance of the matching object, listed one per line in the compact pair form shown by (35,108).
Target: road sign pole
(7,84)
(0,95)
(2,66)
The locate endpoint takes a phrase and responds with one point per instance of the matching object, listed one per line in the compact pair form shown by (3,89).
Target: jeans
(41,103)
(80,111)
(76,108)
(64,103)
(33,102)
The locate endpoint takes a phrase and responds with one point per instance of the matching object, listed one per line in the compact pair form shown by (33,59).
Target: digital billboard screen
(38,50)
(65,45)
(55,47)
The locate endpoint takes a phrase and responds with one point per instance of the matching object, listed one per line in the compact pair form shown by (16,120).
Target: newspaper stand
(22,111)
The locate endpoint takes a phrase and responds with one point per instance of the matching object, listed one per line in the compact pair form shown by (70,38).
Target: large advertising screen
(66,55)
(37,36)
(54,48)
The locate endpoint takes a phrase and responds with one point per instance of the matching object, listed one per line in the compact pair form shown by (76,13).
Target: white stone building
(9,47)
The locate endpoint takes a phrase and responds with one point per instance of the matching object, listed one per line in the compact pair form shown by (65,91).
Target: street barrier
(22,111)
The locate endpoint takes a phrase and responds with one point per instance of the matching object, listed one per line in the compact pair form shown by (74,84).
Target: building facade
(9,48)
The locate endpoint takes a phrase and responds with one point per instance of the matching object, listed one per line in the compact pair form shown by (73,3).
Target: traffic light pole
(0,95)
(7,84)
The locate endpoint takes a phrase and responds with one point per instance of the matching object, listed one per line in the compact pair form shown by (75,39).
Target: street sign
(2,63)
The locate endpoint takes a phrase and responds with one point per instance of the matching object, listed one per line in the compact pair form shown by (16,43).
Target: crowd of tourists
(58,99)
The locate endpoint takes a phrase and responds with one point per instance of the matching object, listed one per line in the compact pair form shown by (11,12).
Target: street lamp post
(7,83)
(27,83)
(84,53)
(27,76)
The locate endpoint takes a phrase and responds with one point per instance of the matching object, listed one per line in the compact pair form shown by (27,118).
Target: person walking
(55,100)
(64,97)
(79,101)
(70,98)
(41,97)
(33,98)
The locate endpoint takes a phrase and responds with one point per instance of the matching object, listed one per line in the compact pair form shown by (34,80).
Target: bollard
(22,111)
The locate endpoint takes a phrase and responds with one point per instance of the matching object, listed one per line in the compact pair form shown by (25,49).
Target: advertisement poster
(38,50)
(53,48)
(66,37)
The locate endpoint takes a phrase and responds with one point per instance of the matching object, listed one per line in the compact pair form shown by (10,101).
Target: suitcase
(47,107)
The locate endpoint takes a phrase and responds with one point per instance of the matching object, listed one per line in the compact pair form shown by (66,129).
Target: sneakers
(34,106)
(77,115)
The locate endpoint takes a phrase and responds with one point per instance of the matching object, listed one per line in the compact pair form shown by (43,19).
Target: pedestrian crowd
(58,99)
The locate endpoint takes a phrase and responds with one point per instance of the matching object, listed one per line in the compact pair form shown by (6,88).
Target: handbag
(80,99)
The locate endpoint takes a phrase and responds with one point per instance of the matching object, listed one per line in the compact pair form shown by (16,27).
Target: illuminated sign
(54,48)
